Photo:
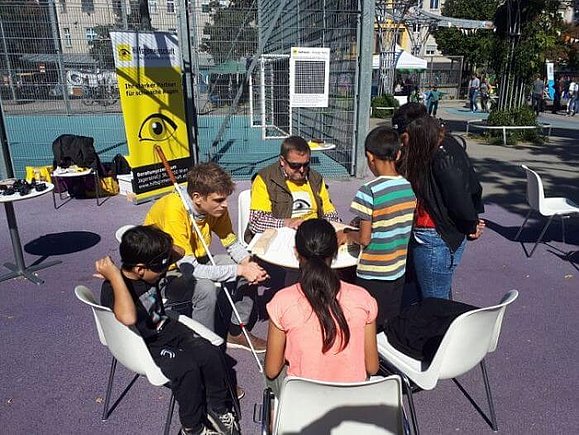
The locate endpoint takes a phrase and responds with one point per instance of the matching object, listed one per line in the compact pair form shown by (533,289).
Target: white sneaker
(204,431)
(224,423)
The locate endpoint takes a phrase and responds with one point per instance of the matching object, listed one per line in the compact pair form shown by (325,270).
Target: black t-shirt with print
(147,298)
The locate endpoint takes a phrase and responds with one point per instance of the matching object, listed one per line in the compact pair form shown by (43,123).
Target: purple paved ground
(54,369)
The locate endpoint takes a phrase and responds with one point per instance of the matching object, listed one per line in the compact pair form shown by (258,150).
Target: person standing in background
(473,88)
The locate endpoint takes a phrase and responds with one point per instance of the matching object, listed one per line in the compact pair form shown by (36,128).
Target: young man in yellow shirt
(209,186)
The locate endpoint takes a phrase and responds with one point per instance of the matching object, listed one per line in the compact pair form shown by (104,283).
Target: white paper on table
(281,251)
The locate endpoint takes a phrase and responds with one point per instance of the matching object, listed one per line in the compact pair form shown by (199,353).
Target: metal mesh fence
(57,71)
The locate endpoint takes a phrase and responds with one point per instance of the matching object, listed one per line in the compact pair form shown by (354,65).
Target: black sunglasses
(161,262)
(295,166)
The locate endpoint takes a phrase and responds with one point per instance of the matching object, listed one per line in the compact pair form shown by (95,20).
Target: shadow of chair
(311,407)
(129,348)
(469,338)
(549,207)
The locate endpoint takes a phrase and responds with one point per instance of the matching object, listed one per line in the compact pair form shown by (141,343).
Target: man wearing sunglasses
(288,192)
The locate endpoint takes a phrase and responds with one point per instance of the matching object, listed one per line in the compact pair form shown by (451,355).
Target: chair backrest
(469,338)
(125,343)
(535,191)
(243,203)
(314,407)
(70,149)
(119,233)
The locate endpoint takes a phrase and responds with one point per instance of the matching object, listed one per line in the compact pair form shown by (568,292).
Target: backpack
(120,165)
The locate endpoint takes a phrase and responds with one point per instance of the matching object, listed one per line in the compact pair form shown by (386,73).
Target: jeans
(434,263)
(472,94)
(571,105)
(537,101)
(432,108)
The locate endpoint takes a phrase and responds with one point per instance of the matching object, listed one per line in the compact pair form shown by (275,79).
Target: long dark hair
(317,245)
(424,136)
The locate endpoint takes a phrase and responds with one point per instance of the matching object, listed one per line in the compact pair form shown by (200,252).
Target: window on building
(67,37)
(153,6)
(62,6)
(434,4)
(90,34)
(171,6)
(87,6)
(205,8)
(430,50)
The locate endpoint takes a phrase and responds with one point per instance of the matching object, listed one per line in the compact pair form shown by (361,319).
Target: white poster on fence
(309,76)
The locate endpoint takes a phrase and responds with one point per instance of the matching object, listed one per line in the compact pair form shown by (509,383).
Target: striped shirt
(389,203)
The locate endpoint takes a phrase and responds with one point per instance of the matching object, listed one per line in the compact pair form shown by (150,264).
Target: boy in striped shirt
(384,207)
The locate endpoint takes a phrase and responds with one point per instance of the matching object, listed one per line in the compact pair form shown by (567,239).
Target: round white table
(281,251)
(20,269)
(59,173)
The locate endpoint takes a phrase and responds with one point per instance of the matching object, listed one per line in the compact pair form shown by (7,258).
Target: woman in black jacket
(449,201)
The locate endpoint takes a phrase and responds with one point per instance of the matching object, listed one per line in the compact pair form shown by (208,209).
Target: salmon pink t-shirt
(291,312)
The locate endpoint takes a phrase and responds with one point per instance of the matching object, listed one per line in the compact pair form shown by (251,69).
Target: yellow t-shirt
(169,214)
(304,204)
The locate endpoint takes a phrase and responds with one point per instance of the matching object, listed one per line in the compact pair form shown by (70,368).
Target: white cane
(187,203)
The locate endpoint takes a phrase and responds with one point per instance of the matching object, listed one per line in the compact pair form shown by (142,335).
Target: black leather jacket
(453,196)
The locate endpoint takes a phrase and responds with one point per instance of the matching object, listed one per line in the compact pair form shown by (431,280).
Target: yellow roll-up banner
(148,66)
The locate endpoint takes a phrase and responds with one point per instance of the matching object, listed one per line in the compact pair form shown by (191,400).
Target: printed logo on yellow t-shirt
(302,204)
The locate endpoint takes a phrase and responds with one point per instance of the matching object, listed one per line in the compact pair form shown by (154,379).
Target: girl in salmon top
(321,327)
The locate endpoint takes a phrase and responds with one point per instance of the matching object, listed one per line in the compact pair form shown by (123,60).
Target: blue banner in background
(550,80)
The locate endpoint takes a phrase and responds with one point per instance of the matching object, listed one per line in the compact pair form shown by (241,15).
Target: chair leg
(408,388)
(489,396)
(109,389)
(523,224)
(541,235)
(232,390)
(108,411)
(563,228)
(266,408)
(169,415)
(492,420)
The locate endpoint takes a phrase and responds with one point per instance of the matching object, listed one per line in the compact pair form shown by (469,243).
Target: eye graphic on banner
(157,127)
(151,93)
(124,52)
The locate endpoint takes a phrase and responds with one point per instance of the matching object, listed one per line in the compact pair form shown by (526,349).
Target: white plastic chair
(312,407)
(470,337)
(129,348)
(548,207)
(243,203)
(122,230)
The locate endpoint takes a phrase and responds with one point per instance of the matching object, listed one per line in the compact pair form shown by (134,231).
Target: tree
(101,49)
(528,32)
(476,47)
(138,19)
(523,43)
(232,32)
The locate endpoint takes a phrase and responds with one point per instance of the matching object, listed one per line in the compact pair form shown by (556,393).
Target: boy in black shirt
(193,365)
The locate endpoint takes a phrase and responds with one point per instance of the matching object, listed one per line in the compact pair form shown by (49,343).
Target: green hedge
(520,116)
(385,100)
